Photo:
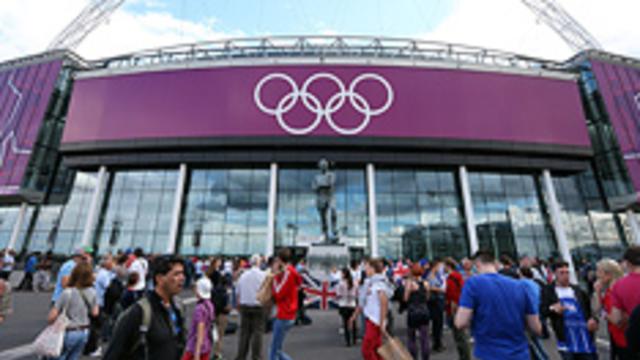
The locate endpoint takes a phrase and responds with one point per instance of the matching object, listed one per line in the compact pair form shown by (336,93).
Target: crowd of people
(125,306)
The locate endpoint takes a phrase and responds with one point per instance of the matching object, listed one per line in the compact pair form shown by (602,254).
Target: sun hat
(203,288)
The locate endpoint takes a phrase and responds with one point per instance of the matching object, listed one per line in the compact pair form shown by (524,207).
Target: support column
(18,226)
(468,210)
(271,216)
(94,207)
(177,207)
(556,220)
(633,225)
(373,214)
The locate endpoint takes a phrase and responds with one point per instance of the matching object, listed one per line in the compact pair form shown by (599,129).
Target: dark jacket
(549,297)
(162,343)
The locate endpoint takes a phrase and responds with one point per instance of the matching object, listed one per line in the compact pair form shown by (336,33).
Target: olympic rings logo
(314,105)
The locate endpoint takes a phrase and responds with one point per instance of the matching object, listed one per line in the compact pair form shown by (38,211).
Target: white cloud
(509,25)
(27,27)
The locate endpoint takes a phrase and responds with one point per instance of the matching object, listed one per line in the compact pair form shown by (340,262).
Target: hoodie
(285,293)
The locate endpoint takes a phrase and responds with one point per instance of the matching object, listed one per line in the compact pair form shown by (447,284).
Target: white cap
(203,288)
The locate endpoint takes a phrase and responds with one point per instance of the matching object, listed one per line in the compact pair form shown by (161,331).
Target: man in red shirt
(452,298)
(285,287)
(625,294)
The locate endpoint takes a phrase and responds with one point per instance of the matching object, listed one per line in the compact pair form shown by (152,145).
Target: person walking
(569,309)
(5,300)
(498,310)
(78,302)
(64,273)
(42,277)
(416,293)
(374,303)
(534,291)
(252,313)
(29,270)
(453,290)
(222,306)
(199,341)
(437,289)
(140,265)
(607,273)
(8,263)
(347,294)
(153,328)
(286,283)
(625,293)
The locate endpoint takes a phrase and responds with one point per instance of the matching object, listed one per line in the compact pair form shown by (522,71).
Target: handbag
(265,295)
(50,341)
(394,349)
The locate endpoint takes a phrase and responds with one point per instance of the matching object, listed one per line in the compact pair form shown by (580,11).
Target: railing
(326,47)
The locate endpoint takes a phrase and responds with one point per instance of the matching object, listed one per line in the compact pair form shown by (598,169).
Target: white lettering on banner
(8,138)
(637,99)
(323,111)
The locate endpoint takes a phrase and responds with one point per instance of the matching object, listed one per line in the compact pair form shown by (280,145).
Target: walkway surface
(319,341)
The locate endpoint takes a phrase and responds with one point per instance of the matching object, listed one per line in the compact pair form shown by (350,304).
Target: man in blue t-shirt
(498,310)
(65,272)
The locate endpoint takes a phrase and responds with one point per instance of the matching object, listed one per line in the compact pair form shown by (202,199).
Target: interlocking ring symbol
(313,104)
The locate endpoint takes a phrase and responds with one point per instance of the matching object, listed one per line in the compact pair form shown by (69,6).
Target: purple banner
(620,89)
(24,95)
(330,100)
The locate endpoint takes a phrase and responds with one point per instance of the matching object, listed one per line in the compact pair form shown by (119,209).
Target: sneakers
(97,353)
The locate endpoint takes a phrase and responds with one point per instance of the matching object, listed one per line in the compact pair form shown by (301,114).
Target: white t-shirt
(8,262)
(248,286)
(140,266)
(372,299)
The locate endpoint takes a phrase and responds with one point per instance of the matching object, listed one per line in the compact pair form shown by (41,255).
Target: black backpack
(112,296)
(417,309)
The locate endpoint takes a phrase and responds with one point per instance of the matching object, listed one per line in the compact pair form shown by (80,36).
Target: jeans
(436,308)
(73,345)
(280,330)
(423,332)
(573,356)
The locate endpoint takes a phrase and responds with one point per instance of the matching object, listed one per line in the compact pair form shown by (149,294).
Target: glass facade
(8,218)
(509,215)
(297,217)
(591,230)
(419,214)
(137,211)
(225,212)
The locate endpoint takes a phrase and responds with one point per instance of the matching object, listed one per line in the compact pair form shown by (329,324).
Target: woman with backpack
(416,293)
(347,294)
(200,339)
(77,302)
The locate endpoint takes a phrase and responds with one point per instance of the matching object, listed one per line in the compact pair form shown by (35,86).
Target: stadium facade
(212,148)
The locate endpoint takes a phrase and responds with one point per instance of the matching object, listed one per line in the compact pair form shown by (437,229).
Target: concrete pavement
(320,340)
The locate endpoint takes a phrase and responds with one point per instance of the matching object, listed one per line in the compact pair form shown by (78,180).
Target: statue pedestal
(321,257)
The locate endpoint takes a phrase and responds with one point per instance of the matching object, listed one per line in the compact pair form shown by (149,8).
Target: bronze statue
(324,185)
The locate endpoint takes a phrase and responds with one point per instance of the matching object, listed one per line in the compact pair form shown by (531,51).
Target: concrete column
(94,207)
(271,216)
(177,207)
(633,225)
(373,213)
(468,210)
(556,220)
(18,226)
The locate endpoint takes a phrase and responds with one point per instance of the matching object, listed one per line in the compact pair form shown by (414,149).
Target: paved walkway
(320,340)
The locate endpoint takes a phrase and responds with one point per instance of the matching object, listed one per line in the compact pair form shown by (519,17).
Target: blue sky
(403,18)
(142,24)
